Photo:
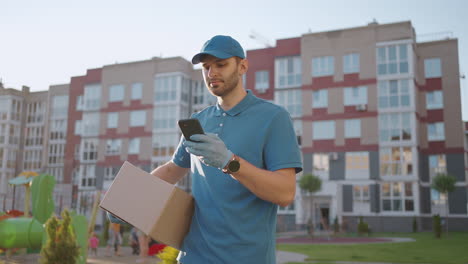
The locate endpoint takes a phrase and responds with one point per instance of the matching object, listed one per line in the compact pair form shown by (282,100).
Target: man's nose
(212,72)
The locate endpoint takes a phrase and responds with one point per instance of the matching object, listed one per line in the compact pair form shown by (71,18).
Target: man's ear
(243,66)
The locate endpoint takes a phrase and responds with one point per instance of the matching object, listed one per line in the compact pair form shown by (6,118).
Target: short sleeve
(281,149)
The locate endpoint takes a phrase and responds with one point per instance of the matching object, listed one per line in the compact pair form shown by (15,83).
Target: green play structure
(27,232)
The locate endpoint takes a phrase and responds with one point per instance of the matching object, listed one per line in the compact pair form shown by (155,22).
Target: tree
(445,184)
(311,184)
(61,246)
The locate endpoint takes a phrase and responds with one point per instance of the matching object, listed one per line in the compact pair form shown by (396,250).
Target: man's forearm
(170,172)
(278,187)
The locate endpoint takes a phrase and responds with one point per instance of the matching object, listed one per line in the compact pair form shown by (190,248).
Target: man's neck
(232,99)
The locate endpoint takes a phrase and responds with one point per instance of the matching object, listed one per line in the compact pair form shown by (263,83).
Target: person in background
(93,244)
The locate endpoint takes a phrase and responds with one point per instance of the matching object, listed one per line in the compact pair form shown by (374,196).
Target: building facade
(377,116)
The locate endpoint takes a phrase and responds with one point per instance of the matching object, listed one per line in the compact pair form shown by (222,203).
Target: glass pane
(408,189)
(393,101)
(392,53)
(409,205)
(403,67)
(381,57)
(397,205)
(386,206)
(405,100)
(382,69)
(403,52)
(383,102)
(392,68)
(386,190)
(396,189)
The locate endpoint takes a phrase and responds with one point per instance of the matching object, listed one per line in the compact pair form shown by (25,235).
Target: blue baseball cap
(221,47)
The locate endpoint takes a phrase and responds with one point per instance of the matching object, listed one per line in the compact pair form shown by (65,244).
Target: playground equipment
(28,232)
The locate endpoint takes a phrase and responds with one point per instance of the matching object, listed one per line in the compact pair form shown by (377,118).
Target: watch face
(234,166)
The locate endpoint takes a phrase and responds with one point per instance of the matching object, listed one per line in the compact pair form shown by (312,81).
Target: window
(59,106)
(137,118)
(437,164)
(396,161)
(58,129)
(432,68)
(435,131)
(78,127)
(355,95)
(351,63)
(397,196)
(298,129)
(3,134)
(395,127)
(90,124)
(357,165)
(164,117)
(164,144)
(392,59)
(288,72)
(321,162)
(4,106)
(116,93)
(113,146)
(323,66)
(79,103)
(261,81)
(137,91)
(434,100)
(291,100)
(112,120)
(361,193)
(438,198)
(394,93)
(134,146)
(110,172)
(166,86)
(89,149)
(320,98)
(323,130)
(92,97)
(56,153)
(353,128)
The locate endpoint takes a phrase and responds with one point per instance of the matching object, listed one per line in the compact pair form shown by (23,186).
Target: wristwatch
(233,165)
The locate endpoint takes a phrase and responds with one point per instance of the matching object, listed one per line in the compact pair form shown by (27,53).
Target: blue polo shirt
(230,223)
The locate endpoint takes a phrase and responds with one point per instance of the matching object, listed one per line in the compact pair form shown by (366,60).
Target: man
(242,168)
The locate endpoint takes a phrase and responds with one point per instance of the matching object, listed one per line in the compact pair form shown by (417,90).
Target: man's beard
(229,83)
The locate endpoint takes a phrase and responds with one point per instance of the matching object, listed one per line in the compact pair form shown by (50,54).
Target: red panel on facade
(261,60)
(288,47)
(350,112)
(328,145)
(437,147)
(434,115)
(119,106)
(349,80)
(432,84)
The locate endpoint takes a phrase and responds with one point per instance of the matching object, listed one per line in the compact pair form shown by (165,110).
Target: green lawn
(426,249)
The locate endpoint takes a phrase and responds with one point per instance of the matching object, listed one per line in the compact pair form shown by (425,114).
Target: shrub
(336,226)
(437,226)
(363,227)
(415,225)
(61,245)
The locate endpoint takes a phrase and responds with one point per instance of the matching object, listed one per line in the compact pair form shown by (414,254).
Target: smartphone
(190,127)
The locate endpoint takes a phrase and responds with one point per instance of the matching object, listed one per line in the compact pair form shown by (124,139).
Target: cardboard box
(156,207)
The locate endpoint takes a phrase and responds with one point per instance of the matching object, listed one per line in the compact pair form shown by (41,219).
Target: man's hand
(210,149)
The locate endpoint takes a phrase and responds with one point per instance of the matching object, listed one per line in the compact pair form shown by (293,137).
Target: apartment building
(127,112)
(32,138)
(378,115)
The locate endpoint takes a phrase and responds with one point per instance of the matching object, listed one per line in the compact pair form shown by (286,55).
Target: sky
(47,42)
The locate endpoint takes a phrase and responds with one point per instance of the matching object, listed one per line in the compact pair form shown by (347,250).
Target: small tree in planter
(61,246)
(312,184)
(437,226)
(444,183)
(363,227)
